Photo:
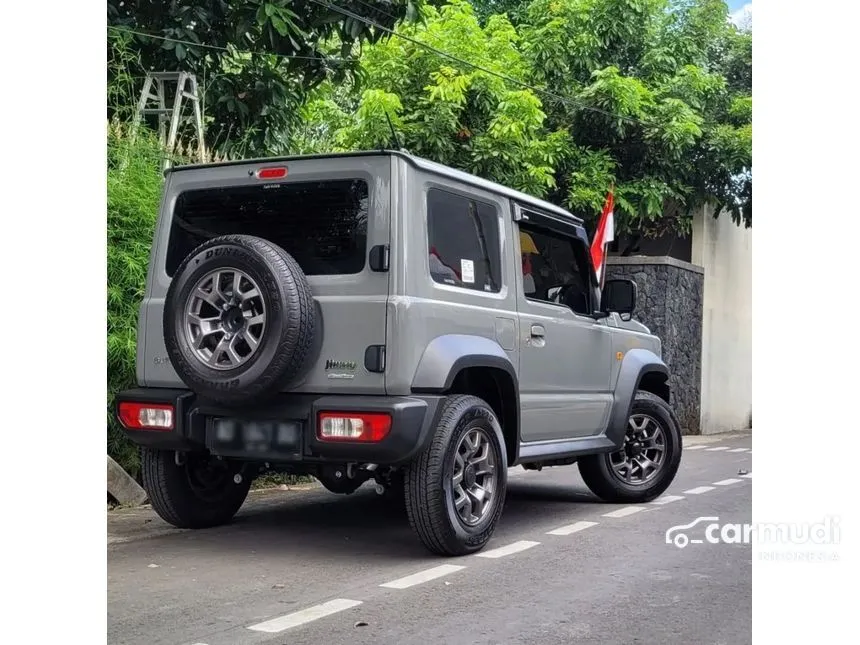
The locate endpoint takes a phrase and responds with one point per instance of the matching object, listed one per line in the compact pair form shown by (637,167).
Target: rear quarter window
(464,241)
(322,224)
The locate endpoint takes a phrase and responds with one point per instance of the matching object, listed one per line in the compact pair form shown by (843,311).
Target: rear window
(322,224)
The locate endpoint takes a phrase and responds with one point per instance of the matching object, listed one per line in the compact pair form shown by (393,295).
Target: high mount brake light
(276,172)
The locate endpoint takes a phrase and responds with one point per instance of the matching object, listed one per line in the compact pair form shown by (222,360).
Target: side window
(464,241)
(555,269)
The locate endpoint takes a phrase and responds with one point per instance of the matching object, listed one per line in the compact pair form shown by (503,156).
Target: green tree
(441,109)
(653,96)
(255,59)
(669,84)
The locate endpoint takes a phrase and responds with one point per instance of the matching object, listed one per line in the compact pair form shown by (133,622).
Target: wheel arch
(464,364)
(641,369)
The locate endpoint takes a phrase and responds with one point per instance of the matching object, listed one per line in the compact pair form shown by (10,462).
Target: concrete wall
(724,250)
(670,305)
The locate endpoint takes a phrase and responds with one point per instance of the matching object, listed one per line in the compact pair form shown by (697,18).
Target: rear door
(328,214)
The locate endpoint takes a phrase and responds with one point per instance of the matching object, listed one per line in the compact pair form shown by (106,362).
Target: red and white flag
(604,234)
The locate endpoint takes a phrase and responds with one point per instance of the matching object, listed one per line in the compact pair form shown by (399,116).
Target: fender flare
(635,365)
(446,355)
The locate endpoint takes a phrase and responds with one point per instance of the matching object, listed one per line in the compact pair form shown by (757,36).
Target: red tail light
(272,173)
(146,416)
(353,426)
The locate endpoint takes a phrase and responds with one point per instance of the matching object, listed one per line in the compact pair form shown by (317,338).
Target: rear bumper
(284,430)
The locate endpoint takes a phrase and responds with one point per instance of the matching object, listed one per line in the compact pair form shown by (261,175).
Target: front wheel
(645,465)
(455,489)
(197,491)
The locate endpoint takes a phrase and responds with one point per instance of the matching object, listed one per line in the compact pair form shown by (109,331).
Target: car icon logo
(677,534)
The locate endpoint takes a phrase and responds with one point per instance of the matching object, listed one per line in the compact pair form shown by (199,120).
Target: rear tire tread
(425,503)
(175,502)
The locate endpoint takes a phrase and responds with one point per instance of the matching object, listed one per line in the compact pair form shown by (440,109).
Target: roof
(420,163)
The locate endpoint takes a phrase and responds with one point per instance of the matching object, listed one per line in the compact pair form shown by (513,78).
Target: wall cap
(662,260)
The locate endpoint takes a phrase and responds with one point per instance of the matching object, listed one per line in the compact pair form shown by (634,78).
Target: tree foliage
(653,96)
(255,59)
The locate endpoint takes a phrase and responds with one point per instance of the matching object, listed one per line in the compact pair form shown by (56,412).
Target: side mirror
(619,296)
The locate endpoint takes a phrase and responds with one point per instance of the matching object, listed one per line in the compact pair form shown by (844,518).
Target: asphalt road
(309,566)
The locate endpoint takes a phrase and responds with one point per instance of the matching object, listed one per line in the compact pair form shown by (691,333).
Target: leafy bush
(134,182)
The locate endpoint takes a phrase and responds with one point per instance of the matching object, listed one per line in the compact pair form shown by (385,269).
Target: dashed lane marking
(423,576)
(576,527)
(727,482)
(717,448)
(747,476)
(698,490)
(738,449)
(667,499)
(510,549)
(699,447)
(623,512)
(308,615)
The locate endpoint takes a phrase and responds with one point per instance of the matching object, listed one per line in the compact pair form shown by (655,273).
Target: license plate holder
(263,439)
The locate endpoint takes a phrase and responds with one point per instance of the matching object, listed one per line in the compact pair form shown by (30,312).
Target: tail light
(353,426)
(146,416)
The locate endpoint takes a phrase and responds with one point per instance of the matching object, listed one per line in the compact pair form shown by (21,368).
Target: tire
(178,496)
(604,481)
(428,479)
(285,306)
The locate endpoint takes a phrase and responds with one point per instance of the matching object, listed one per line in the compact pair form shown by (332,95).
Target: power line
(373,8)
(191,43)
(504,77)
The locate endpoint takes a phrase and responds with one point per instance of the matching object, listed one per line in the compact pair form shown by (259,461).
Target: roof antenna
(394,139)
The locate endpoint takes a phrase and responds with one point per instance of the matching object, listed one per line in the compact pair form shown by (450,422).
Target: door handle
(538,331)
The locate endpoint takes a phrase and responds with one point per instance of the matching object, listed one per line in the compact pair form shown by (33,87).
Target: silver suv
(377,316)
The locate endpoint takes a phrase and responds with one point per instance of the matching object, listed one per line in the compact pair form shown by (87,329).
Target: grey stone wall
(670,304)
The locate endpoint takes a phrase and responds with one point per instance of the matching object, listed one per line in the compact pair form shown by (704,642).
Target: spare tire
(239,319)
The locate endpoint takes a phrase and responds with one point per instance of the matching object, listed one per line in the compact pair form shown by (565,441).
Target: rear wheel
(198,492)
(645,465)
(455,489)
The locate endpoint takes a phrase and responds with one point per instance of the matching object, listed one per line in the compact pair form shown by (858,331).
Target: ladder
(153,101)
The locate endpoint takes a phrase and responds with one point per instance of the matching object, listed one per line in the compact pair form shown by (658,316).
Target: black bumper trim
(413,420)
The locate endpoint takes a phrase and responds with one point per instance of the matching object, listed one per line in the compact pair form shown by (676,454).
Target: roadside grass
(134,181)
(272,480)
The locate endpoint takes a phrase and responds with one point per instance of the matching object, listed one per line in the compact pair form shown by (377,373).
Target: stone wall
(671,293)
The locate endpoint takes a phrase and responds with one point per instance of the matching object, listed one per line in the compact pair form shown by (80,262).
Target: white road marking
(738,449)
(698,490)
(668,499)
(717,448)
(423,576)
(297,618)
(699,447)
(623,512)
(572,528)
(747,476)
(510,549)
(727,482)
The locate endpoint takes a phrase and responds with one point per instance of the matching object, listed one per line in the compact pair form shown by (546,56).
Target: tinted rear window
(464,241)
(322,224)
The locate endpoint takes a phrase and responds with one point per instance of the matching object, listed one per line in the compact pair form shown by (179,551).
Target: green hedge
(134,182)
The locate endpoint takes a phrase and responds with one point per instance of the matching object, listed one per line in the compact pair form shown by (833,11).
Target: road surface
(311,567)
